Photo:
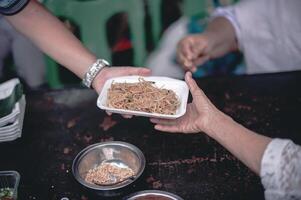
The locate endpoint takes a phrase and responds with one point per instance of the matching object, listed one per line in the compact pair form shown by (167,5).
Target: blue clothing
(11,7)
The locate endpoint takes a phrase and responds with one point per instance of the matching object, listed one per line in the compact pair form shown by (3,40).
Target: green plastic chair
(56,7)
(154,8)
(91,18)
(198,8)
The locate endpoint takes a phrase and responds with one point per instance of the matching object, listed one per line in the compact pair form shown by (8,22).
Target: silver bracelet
(93,70)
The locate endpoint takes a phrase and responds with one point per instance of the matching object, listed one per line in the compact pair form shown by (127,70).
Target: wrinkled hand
(192,51)
(110,72)
(199,114)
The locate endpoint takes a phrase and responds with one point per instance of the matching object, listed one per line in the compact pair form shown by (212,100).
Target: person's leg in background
(5,45)
(29,61)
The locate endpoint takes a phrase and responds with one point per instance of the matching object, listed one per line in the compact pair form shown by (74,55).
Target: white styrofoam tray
(178,86)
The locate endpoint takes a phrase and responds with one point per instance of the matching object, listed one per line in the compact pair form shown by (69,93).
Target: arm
(203,116)
(277,161)
(221,35)
(52,37)
(218,39)
(244,144)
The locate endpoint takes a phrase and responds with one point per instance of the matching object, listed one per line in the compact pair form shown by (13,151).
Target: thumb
(193,87)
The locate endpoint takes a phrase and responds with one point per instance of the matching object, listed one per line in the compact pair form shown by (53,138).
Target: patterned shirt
(281,170)
(11,7)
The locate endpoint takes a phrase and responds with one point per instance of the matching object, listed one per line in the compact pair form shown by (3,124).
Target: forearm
(52,37)
(244,144)
(221,37)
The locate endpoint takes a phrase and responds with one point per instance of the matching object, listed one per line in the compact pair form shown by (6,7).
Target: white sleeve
(229,13)
(281,170)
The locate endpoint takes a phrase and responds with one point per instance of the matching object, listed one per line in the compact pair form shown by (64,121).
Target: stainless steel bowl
(119,153)
(153,194)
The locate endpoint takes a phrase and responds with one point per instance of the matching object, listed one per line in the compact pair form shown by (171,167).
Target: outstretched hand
(198,117)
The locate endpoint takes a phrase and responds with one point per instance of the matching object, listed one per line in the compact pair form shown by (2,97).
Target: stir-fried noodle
(142,96)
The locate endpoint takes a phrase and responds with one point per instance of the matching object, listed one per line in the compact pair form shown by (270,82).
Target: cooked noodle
(107,173)
(142,96)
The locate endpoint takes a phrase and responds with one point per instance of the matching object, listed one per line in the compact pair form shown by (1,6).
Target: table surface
(58,124)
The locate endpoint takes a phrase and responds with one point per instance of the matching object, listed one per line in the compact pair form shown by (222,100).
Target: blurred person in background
(266,31)
(163,60)
(28,60)
(52,37)
(277,161)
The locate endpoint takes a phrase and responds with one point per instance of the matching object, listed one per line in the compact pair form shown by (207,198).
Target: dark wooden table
(58,124)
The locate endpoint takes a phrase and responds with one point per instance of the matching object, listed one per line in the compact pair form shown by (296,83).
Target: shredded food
(143,96)
(107,173)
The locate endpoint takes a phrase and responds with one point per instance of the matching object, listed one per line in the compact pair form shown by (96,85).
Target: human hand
(110,72)
(193,50)
(199,116)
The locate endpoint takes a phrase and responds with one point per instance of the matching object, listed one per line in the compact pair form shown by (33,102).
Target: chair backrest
(91,18)
(155,12)
(57,7)
(197,7)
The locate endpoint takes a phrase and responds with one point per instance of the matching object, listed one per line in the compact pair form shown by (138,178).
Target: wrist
(208,37)
(93,72)
(216,123)
(100,79)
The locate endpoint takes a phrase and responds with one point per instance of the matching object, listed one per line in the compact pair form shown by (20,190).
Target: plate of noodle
(151,96)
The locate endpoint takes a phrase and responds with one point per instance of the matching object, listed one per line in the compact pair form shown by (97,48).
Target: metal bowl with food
(152,195)
(108,168)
